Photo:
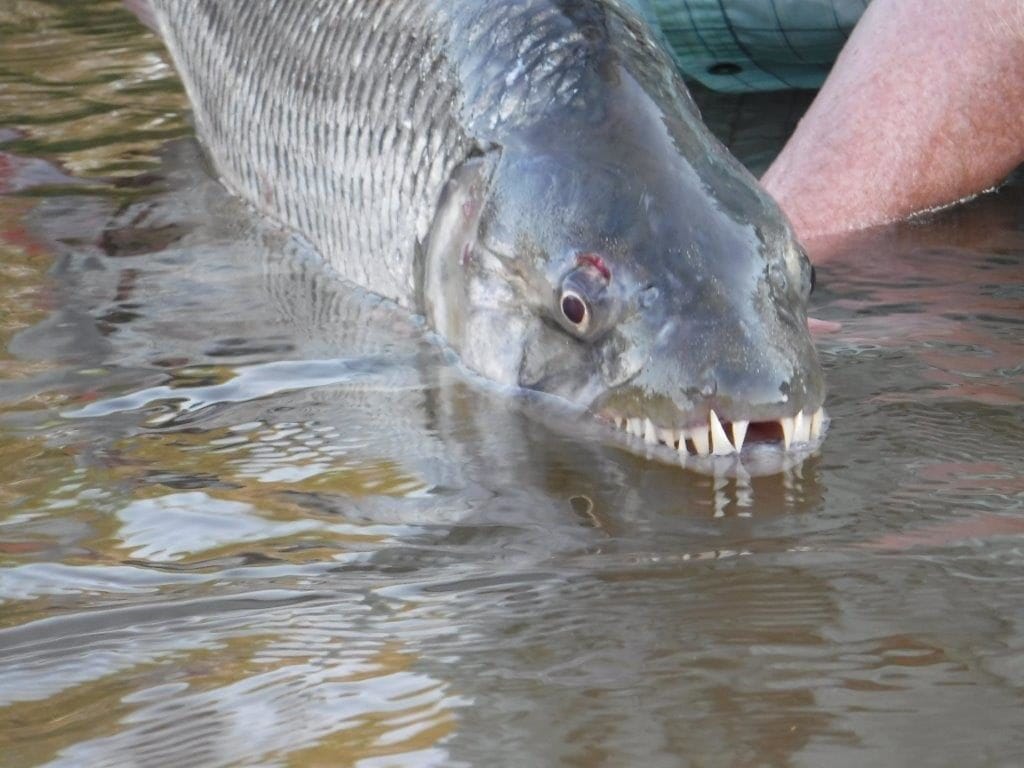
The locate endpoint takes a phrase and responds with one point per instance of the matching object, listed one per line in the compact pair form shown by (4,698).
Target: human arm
(924,107)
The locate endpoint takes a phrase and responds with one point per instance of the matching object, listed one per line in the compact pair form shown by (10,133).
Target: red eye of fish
(574,309)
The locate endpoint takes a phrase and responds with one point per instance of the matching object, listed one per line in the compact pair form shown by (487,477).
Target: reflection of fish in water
(535,179)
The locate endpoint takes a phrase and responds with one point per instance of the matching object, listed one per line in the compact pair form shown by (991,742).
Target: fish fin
(451,236)
(144,12)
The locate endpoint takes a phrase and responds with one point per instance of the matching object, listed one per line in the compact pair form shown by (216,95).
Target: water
(249,516)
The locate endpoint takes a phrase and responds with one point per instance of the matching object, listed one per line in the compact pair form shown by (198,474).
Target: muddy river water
(250,516)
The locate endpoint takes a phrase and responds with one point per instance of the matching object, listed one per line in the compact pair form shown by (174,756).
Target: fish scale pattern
(337,119)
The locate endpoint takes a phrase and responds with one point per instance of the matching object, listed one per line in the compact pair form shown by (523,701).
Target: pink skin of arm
(924,107)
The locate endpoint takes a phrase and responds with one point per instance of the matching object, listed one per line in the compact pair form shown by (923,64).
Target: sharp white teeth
(802,428)
(816,420)
(787,431)
(739,433)
(650,433)
(719,440)
(683,435)
(700,441)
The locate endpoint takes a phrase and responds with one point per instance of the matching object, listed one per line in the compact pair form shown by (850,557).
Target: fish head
(663,290)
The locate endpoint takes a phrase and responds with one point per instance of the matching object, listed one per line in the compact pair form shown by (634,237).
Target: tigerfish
(535,179)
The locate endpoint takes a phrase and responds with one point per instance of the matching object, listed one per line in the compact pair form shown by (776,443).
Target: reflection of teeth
(739,433)
(668,437)
(719,440)
(636,427)
(650,433)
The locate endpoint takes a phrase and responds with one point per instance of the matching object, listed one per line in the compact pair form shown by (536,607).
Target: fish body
(534,178)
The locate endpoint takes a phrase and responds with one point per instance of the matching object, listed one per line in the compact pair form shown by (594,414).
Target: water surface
(251,516)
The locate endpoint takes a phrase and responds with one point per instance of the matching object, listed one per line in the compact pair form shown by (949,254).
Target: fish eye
(575,310)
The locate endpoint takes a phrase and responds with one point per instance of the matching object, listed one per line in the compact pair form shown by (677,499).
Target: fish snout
(710,389)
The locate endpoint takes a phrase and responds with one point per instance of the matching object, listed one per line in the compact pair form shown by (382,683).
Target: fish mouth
(719,437)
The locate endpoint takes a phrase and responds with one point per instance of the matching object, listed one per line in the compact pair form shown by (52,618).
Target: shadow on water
(249,514)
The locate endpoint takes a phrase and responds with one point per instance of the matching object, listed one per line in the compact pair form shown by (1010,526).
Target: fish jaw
(718,437)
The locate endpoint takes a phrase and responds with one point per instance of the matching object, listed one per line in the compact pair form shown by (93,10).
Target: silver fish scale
(335,118)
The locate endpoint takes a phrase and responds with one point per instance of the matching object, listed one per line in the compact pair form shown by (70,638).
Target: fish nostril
(649,296)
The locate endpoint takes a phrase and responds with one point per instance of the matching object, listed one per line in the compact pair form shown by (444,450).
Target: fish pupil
(574,309)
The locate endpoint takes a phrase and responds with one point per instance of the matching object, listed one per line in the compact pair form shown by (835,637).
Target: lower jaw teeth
(715,438)
(699,438)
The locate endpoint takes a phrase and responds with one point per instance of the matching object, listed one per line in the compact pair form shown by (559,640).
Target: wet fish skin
(476,160)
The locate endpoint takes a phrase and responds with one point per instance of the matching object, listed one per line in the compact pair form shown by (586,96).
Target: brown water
(249,516)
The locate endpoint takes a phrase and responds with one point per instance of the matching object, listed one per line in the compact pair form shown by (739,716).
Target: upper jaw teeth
(714,438)
(721,445)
